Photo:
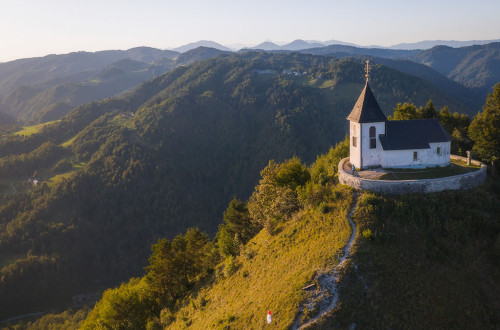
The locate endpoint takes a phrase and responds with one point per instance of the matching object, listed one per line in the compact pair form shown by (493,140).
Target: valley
(169,151)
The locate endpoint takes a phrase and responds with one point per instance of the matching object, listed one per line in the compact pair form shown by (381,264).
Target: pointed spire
(366,109)
(367,70)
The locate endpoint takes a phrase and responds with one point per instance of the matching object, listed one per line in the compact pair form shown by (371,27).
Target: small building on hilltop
(378,142)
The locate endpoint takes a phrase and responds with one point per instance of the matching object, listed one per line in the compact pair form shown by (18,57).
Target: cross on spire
(367,70)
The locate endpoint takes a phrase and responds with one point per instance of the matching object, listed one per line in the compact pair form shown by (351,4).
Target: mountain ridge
(164,157)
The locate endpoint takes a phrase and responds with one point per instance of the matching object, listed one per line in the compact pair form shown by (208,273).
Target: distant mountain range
(201,43)
(427,44)
(300,44)
(41,89)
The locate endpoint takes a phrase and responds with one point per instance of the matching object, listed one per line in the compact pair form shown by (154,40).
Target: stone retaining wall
(462,181)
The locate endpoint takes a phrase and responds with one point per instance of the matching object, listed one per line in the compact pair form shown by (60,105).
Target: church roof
(413,134)
(366,109)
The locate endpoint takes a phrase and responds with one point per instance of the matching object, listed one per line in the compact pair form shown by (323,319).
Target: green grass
(29,130)
(69,142)
(53,179)
(272,272)
(123,121)
(464,164)
(431,263)
(427,173)
(321,83)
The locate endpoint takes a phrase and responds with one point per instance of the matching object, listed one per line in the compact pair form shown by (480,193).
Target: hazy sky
(39,27)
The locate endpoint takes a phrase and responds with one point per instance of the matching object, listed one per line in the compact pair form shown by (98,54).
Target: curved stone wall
(462,181)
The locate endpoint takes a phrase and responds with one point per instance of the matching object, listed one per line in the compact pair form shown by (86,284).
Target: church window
(415,155)
(438,150)
(354,142)
(373,139)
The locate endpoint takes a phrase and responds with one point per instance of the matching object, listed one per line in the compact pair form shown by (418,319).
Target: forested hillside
(120,173)
(409,267)
(39,90)
(42,89)
(477,68)
(57,69)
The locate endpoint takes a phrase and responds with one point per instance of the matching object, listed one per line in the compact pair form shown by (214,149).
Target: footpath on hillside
(326,296)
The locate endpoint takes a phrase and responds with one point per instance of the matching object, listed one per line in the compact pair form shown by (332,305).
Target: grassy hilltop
(410,267)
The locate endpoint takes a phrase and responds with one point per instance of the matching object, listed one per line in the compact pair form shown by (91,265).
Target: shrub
(370,199)
(203,302)
(166,317)
(230,266)
(367,234)
(323,207)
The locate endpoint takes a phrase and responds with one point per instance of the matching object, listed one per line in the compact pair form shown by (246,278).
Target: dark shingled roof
(413,134)
(366,109)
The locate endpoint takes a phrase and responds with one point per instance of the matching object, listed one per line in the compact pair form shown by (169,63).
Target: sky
(30,28)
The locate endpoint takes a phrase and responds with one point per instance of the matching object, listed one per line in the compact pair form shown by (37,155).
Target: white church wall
(425,157)
(371,157)
(354,151)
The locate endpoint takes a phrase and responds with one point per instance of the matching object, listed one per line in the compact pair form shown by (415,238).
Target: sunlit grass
(272,272)
(123,120)
(55,179)
(69,142)
(28,130)
(321,83)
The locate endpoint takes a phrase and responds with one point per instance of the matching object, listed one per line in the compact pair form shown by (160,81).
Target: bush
(370,199)
(230,266)
(323,207)
(166,317)
(367,234)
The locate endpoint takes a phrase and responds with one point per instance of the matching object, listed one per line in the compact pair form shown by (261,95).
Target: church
(378,142)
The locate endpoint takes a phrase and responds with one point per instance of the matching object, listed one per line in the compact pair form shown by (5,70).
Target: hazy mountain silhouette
(201,43)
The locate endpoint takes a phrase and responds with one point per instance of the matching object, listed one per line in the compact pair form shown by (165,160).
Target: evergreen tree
(429,111)
(485,128)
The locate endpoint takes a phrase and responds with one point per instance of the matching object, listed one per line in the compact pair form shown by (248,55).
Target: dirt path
(326,297)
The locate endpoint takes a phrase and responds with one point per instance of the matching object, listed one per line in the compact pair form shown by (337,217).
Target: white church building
(378,142)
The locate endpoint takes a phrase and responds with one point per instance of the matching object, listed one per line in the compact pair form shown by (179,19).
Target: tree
(457,125)
(292,174)
(236,229)
(237,220)
(275,198)
(125,307)
(405,111)
(429,111)
(163,274)
(174,267)
(446,119)
(485,128)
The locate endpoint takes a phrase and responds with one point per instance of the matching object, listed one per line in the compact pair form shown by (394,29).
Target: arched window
(373,139)
(354,142)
